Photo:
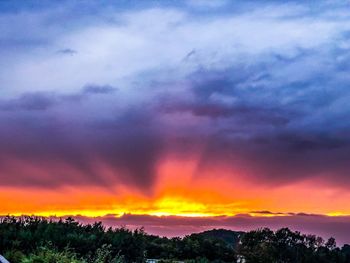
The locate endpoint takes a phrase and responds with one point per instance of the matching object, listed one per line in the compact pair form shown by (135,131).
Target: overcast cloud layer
(98,94)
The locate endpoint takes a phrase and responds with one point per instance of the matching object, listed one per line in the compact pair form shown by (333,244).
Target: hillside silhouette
(38,240)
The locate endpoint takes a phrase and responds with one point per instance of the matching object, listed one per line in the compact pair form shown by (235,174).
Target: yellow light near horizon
(337,214)
(178,193)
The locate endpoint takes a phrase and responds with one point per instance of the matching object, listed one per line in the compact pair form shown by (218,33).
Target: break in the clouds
(100,93)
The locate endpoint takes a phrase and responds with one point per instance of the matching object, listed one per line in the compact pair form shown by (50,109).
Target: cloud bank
(260,90)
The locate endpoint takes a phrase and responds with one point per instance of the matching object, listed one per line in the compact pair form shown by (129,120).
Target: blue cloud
(264,84)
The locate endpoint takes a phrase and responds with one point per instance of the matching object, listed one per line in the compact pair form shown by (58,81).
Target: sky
(178,116)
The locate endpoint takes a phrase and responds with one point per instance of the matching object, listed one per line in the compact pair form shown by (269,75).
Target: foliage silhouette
(39,240)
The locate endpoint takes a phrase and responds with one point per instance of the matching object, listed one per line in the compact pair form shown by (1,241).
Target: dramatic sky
(177,115)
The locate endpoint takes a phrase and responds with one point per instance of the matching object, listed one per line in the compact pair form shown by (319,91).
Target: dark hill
(228,236)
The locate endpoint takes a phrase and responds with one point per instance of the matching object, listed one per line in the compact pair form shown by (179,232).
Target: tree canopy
(39,240)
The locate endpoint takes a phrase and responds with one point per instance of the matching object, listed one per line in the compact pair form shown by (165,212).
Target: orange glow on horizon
(179,192)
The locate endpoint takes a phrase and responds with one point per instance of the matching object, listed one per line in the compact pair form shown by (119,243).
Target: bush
(104,255)
(14,256)
(46,255)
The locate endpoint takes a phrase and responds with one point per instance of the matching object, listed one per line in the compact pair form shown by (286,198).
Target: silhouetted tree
(34,239)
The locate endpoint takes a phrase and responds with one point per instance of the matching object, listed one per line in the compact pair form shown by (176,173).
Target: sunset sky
(177,115)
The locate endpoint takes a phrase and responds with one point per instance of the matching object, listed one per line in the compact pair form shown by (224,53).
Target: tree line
(39,240)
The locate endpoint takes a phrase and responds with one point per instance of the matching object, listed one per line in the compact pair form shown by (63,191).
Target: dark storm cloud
(52,147)
(133,146)
(29,101)
(41,101)
(277,109)
(276,127)
(243,113)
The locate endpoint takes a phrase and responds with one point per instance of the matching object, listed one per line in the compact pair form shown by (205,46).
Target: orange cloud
(179,191)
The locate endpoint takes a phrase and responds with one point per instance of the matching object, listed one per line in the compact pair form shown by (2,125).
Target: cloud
(96,89)
(147,36)
(49,152)
(67,51)
(42,101)
(207,4)
(29,101)
(262,89)
(60,141)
